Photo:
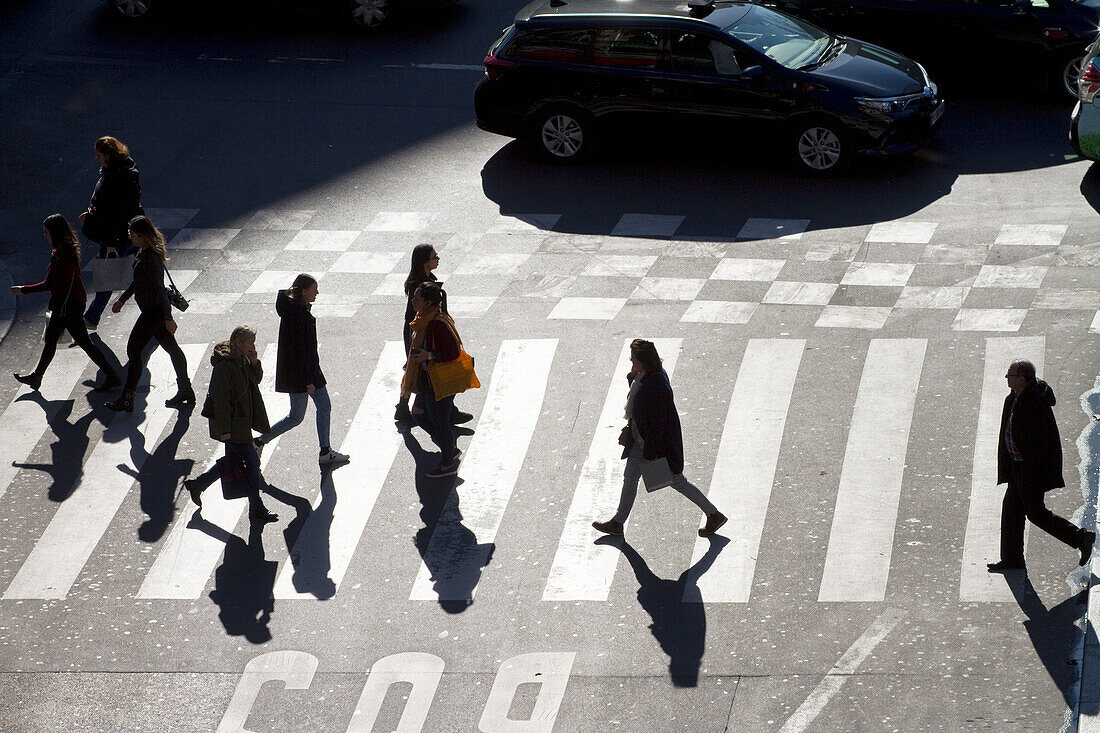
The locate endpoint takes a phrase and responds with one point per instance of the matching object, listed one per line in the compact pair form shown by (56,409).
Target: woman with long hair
(298,367)
(67,298)
(155,319)
(653,432)
(434,338)
(424,260)
(115,200)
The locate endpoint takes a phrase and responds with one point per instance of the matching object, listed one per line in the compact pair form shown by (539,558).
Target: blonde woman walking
(155,320)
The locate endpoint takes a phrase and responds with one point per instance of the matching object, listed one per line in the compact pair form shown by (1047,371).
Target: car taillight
(494,67)
(1089,84)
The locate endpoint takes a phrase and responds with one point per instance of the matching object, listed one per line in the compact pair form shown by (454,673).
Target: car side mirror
(752,72)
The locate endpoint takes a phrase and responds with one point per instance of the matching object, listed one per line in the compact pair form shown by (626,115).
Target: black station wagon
(572,73)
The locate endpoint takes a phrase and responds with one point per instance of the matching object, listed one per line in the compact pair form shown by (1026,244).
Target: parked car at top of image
(368,14)
(1041,40)
(1084,126)
(569,74)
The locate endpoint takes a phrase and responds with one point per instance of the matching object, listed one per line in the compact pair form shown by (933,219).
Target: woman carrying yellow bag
(437,369)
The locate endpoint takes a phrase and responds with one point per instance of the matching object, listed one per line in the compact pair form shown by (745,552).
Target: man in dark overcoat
(1029,460)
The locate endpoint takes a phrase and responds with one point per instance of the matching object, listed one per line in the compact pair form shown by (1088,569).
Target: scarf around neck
(419,328)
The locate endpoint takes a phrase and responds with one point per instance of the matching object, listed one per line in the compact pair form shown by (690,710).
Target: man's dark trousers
(1023,500)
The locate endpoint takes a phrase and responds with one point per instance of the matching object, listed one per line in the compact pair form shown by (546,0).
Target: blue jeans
(633,472)
(298,402)
(436,419)
(102,297)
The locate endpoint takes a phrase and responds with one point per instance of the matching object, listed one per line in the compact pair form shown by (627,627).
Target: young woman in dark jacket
(424,260)
(155,320)
(298,367)
(434,338)
(115,200)
(654,432)
(67,298)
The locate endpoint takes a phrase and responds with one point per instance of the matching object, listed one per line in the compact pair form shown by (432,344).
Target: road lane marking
(80,522)
(861,542)
(583,571)
(462,541)
(744,471)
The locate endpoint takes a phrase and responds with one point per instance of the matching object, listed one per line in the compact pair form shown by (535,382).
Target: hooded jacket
(236,404)
(298,363)
(116,198)
(1035,433)
(654,415)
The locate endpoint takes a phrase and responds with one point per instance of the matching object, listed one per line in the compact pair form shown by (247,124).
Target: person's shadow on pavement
(243,583)
(159,479)
(308,543)
(455,558)
(1053,632)
(68,452)
(679,627)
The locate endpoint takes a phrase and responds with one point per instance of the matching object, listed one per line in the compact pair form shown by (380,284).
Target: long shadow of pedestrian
(308,542)
(1053,631)
(67,453)
(159,480)
(448,548)
(243,583)
(679,627)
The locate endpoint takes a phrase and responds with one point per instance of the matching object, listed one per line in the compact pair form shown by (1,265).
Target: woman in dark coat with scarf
(115,200)
(424,260)
(298,367)
(67,298)
(653,433)
(155,320)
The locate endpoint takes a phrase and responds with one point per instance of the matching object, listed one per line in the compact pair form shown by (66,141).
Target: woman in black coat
(155,320)
(115,200)
(424,260)
(653,432)
(298,367)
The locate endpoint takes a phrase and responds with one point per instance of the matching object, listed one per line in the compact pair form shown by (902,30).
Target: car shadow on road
(448,548)
(679,627)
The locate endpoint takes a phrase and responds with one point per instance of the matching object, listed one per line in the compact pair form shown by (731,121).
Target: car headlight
(882,106)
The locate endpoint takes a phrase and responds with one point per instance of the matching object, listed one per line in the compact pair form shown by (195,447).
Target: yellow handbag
(453,377)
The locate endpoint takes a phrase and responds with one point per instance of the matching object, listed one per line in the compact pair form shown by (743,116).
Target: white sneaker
(332,457)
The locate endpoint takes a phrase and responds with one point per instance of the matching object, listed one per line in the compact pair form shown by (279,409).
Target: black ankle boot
(32,380)
(184,396)
(125,403)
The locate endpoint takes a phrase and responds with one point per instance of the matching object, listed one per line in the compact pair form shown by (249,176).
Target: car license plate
(937,113)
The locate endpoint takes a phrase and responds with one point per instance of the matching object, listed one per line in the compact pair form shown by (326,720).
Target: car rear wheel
(1067,73)
(562,134)
(370,14)
(130,8)
(820,147)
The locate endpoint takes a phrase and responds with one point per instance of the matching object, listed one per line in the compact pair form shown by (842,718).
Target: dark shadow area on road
(1053,632)
(679,627)
(1090,188)
(448,548)
(243,583)
(159,479)
(308,537)
(69,451)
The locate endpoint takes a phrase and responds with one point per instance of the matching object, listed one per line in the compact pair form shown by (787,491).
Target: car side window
(550,45)
(631,48)
(696,54)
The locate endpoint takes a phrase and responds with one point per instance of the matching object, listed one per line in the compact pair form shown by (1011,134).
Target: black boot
(184,396)
(32,380)
(125,403)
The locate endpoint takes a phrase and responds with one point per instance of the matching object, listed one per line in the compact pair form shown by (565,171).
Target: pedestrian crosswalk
(755,443)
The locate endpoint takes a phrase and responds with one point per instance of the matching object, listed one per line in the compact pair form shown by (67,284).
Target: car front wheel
(820,147)
(370,14)
(1066,74)
(130,8)
(562,135)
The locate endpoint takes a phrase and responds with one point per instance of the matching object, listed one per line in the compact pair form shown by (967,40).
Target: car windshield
(788,41)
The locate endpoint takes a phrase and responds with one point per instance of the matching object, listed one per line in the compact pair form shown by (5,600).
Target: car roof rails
(700,8)
(557,3)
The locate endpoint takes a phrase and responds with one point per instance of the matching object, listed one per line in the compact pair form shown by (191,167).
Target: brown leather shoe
(611,527)
(714,521)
